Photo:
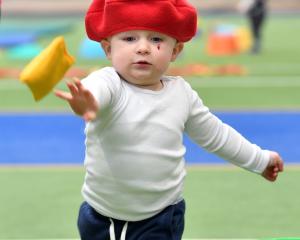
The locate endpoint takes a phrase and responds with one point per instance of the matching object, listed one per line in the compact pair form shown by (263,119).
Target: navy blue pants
(167,225)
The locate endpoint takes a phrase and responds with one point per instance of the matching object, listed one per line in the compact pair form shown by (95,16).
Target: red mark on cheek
(158,47)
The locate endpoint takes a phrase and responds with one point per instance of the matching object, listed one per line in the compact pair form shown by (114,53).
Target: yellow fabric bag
(47,69)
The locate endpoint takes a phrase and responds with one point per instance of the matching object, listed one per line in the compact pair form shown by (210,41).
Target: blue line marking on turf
(59,138)
(41,139)
(279,131)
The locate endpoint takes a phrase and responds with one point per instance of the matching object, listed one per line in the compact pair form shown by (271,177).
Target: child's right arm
(80,99)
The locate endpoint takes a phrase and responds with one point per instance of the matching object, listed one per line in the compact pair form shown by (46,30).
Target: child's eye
(157,39)
(128,39)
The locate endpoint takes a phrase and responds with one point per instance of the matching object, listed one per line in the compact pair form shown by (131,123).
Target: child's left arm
(273,168)
(219,138)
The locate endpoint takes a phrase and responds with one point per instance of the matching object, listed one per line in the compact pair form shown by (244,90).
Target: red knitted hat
(175,18)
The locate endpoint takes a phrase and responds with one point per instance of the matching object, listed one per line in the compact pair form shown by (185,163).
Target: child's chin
(142,75)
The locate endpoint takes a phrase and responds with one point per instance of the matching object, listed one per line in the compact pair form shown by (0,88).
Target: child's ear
(176,50)
(105,44)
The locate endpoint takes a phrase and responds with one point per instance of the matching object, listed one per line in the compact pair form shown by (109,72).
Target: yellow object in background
(244,39)
(47,69)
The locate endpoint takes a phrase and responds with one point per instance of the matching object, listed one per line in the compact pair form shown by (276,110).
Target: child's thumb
(89,116)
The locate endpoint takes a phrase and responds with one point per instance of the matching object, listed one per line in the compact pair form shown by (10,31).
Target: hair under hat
(175,18)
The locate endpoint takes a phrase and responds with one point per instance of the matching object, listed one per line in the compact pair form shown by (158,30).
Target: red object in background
(222,45)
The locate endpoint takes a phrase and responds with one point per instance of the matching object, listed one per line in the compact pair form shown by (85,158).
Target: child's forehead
(141,32)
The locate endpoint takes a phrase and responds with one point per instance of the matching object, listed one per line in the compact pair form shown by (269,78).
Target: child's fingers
(270,178)
(82,90)
(280,165)
(75,79)
(277,161)
(273,176)
(63,95)
(79,85)
(271,173)
(73,88)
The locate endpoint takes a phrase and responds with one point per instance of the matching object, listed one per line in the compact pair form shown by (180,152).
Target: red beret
(175,18)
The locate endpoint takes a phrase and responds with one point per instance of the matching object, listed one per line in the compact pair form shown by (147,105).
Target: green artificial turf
(222,202)
(232,203)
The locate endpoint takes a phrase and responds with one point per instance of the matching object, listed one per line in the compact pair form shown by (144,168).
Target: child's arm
(275,165)
(80,99)
(212,134)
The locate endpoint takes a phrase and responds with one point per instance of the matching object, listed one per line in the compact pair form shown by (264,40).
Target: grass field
(222,202)
(182,239)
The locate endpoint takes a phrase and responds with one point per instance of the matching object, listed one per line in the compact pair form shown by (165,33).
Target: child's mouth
(142,63)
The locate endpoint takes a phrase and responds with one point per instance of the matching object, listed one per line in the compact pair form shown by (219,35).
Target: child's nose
(143,47)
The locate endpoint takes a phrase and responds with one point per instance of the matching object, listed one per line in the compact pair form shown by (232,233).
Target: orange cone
(222,45)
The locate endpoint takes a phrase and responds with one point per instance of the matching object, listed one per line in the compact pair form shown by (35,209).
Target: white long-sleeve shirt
(134,159)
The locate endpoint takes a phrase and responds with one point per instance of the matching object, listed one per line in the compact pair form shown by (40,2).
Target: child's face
(141,57)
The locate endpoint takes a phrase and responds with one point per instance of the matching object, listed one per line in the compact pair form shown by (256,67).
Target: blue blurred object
(12,39)
(59,138)
(13,35)
(225,29)
(91,50)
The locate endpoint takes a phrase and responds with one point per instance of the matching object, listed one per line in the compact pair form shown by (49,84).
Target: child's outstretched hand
(274,167)
(80,99)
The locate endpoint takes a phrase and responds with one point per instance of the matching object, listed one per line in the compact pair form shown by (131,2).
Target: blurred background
(251,83)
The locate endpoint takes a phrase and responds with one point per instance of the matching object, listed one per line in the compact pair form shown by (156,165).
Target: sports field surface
(40,201)
(222,202)
(285,238)
(182,239)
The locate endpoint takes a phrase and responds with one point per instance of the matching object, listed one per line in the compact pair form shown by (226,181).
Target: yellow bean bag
(47,69)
